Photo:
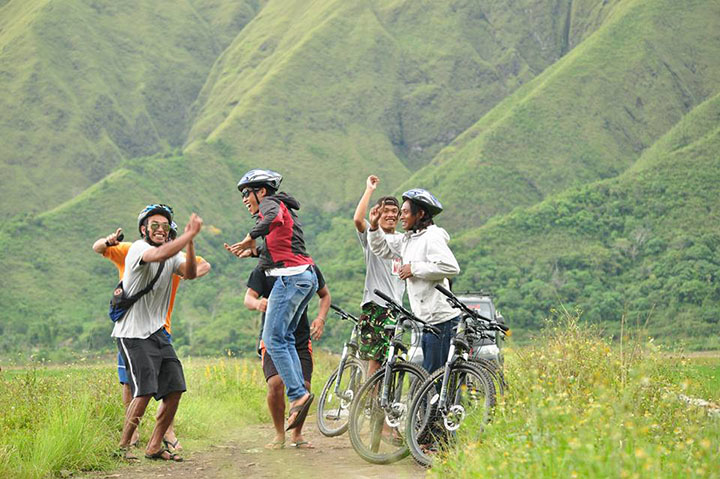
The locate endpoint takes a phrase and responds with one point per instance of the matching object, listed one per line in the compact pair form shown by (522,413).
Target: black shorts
(152,365)
(306,362)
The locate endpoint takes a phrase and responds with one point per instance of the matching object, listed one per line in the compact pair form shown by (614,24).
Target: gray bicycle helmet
(424,198)
(258,178)
(154,209)
(172,234)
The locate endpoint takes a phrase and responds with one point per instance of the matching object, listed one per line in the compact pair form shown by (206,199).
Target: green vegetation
(580,407)
(643,245)
(587,117)
(572,143)
(69,419)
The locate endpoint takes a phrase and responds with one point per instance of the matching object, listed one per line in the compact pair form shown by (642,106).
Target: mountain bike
(379,412)
(462,387)
(340,389)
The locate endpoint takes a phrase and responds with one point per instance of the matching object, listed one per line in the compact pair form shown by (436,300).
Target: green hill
(495,106)
(347,88)
(644,245)
(87,85)
(588,117)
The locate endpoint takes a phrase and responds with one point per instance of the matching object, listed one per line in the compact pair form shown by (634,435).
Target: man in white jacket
(427,261)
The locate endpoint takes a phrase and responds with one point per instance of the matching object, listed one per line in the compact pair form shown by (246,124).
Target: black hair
(388,200)
(425,220)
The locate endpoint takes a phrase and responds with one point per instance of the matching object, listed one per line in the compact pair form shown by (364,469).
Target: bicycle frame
(349,348)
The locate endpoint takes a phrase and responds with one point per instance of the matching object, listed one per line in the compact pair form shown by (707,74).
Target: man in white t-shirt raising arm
(379,274)
(153,367)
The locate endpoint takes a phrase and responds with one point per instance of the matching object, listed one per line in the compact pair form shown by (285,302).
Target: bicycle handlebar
(393,305)
(343,314)
(456,303)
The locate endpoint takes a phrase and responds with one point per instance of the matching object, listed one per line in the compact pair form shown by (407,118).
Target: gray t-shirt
(148,313)
(382,274)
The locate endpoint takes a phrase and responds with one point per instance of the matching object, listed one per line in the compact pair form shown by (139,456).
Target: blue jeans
(435,350)
(289,298)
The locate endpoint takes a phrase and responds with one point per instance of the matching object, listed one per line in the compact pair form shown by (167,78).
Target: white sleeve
(363,237)
(134,256)
(385,246)
(440,261)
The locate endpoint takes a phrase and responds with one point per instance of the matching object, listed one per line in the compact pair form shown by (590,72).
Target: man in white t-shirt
(379,274)
(153,367)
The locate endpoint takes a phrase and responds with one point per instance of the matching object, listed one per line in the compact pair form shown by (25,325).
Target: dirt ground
(243,455)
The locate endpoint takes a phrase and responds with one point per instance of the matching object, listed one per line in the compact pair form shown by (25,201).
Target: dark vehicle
(490,349)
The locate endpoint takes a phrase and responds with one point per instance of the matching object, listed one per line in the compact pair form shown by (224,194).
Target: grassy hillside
(113,106)
(644,245)
(87,85)
(345,88)
(588,117)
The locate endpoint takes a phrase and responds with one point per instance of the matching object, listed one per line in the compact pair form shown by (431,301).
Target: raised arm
(188,269)
(168,250)
(382,245)
(102,244)
(361,209)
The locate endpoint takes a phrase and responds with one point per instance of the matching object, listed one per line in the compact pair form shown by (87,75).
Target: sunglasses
(154,226)
(246,192)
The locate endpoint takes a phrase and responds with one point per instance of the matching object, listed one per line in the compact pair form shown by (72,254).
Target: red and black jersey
(279,226)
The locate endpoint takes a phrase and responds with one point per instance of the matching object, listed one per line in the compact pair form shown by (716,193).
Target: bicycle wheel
(333,410)
(494,372)
(377,434)
(431,431)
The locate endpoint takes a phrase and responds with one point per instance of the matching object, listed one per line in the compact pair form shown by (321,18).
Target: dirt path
(243,455)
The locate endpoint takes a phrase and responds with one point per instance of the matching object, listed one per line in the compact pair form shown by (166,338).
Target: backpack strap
(150,285)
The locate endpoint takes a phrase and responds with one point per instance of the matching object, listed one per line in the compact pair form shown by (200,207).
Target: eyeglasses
(246,192)
(154,226)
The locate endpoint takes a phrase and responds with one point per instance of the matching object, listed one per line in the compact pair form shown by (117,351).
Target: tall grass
(578,407)
(68,419)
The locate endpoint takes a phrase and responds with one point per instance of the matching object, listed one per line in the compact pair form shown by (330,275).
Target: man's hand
(194,225)
(261,305)
(317,327)
(374,216)
(243,249)
(111,240)
(405,272)
(372,182)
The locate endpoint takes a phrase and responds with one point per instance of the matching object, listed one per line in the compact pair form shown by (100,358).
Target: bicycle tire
(333,412)
(495,372)
(427,432)
(369,436)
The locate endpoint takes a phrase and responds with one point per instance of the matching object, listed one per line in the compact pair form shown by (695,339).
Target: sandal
(125,454)
(302,445)
(172,446)
(300,412)
(275,444)
(171,456)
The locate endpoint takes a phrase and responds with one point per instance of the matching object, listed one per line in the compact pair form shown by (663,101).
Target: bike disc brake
(454,417)
(397,412)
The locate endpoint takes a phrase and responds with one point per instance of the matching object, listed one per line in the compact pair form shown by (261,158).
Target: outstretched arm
(168,250)
(102,244)
(361,209)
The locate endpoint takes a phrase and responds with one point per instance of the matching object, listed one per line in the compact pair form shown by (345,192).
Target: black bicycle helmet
(258,178)
(424,198)
(154,209)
